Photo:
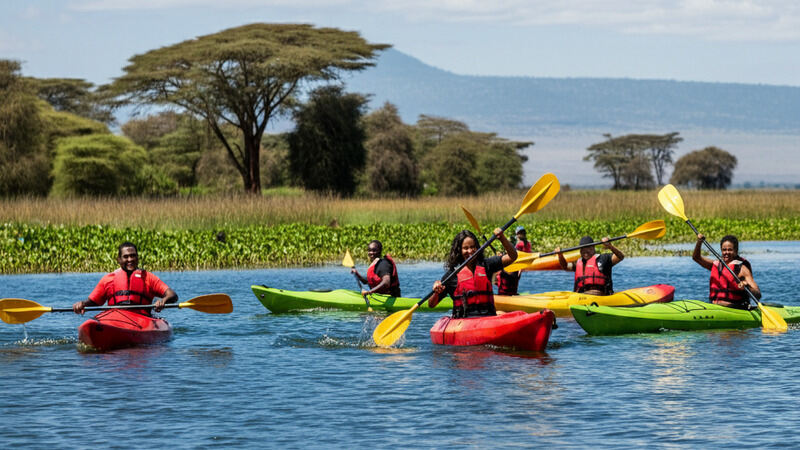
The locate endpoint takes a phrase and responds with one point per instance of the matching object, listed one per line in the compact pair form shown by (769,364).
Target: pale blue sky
(743,41)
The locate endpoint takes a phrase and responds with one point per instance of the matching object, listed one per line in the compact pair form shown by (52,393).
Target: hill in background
(760,124)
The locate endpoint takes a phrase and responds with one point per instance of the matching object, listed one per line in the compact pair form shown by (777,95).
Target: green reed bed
(35,248)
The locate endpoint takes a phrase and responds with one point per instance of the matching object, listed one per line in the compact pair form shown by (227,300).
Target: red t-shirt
(524,246)
(105,288)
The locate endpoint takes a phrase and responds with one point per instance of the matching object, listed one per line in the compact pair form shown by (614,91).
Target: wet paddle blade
(671,201)
(522,262)
(348,260)
(471,219)
(539,194)
(393,327)
(650,230)
(18,310)
(772,321)
(210,303)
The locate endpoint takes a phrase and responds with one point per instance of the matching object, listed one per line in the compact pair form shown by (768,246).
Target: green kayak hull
(281,301)
(678,315)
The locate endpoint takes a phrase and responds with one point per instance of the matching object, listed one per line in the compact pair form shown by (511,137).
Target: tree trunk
(252,148)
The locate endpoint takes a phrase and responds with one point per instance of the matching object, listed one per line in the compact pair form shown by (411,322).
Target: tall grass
(209,212)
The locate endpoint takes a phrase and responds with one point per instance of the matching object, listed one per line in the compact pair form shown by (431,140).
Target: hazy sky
(744,41)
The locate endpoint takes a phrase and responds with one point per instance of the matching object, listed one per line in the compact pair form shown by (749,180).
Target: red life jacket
(473,295)
(524,246)
(589,277)
(373,279)
(723,286)
(507,283)
(130,290)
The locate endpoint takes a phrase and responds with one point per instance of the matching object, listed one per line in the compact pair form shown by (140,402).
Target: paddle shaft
(591,244)
(361,288)
(464,264)
(99,308)
(719,257)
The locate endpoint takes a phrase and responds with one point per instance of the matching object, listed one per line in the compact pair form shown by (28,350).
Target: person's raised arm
(511,251)
(698,257)
(616,255)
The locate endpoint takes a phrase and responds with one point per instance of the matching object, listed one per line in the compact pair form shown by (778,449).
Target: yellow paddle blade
(392,328)
(209,303)
(651,230)
(18,310)
(523,261)
(771,320)
(471,219)
(671,200)
(539,194)
(348,260)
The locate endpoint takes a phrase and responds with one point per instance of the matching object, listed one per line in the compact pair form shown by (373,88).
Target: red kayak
(518,329)
(118,328)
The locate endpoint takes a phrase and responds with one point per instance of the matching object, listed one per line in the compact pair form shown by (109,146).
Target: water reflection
(214,357)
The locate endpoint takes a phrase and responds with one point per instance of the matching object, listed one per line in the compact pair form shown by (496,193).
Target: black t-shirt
(384,267)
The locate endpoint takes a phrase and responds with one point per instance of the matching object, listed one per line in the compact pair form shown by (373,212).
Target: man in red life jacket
(593,271)
(723,288)
(128,285)
(381,274)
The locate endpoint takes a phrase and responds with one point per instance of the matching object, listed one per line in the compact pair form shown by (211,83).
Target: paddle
(348,262)
(477,227)
(17,310)
(671,200)
(650,230)
(393,327)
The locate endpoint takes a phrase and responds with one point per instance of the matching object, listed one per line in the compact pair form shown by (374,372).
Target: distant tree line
(639,161)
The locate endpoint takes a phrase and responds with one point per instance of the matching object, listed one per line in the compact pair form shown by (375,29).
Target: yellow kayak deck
(560,301)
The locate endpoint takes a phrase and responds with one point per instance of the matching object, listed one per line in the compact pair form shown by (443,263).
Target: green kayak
(281,301)
(677,315)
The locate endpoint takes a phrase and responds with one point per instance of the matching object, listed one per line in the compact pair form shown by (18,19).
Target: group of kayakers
(472,289)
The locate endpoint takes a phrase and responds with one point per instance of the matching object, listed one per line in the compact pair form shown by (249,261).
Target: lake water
(254,379)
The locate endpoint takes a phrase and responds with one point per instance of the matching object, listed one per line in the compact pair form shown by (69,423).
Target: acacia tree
(661,148)
(242,76)
(709,168)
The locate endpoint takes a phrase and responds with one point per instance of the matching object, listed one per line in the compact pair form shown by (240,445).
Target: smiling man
(382,272)
(128,285)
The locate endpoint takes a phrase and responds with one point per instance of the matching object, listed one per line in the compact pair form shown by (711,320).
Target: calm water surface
(254,379)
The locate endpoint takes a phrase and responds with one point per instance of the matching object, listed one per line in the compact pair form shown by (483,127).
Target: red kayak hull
(518,329)
(119,328)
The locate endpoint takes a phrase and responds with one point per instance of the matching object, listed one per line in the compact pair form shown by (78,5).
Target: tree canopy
(242,76)
(709,168)
(628,159)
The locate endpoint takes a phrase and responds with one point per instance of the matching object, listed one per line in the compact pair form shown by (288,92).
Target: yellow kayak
(560,301)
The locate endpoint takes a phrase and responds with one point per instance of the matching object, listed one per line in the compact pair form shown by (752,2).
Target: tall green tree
(242,76)
(326,148)
(709,168)
(24,162)
(391,166)
(74,95)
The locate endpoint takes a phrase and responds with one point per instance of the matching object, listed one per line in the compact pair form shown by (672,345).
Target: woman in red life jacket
(593,271)
(128,285)
(471,289)
(723,288)
(381,274)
